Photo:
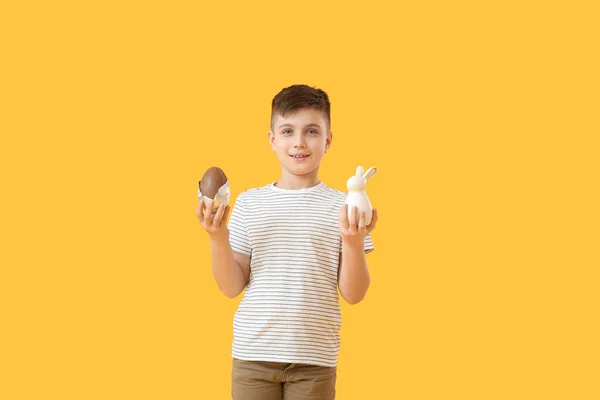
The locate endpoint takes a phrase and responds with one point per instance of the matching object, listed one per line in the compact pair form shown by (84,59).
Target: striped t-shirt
(290,310)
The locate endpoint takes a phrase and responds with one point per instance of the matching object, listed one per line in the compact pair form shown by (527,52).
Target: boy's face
(300,140)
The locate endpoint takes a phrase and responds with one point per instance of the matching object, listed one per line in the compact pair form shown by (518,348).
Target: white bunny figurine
(357,196)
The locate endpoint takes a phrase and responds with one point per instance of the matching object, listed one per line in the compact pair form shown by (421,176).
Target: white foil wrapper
(222,197)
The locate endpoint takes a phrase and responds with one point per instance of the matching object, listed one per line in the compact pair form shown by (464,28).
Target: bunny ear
(359,170)
(370,172)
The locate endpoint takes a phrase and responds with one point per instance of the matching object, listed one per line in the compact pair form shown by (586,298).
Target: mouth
(300,156)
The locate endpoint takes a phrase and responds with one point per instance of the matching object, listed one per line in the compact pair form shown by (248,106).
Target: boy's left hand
(354,231)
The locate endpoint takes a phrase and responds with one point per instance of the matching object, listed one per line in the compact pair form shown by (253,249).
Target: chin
(301,171)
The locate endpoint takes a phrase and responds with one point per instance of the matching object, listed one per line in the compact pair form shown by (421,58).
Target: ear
(272,139)
(370,172)
(328,141)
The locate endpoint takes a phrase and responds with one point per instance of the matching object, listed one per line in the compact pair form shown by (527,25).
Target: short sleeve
(238,230)
(369,244)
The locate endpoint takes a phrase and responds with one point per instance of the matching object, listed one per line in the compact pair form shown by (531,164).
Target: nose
(299,141)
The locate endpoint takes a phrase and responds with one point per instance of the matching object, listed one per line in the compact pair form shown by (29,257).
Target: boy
(290,245)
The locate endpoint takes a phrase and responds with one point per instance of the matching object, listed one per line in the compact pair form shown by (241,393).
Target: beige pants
(261,380)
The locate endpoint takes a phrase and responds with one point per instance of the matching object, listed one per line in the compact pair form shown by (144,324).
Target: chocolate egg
(211,182)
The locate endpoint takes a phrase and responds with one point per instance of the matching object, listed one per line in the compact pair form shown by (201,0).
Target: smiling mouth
(300,157)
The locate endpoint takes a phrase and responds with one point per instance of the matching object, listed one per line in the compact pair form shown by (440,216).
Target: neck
(294,182)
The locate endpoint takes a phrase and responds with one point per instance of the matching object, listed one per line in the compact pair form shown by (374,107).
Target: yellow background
(482,118)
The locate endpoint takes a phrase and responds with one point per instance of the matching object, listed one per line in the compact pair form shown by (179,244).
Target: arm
(353,272)
(230,270)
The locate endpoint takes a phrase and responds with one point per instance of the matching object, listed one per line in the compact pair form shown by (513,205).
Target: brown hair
(295,97)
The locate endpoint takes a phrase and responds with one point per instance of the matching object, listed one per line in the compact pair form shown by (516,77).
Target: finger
(199,210)
(208,211)
(373,221)
(218,215)
(361,221)
(226,213)
(343,217)
(353,218)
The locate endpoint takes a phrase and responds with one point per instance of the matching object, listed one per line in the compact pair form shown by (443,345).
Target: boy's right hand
(213,223)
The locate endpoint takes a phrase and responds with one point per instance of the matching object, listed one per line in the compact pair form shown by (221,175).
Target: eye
(286,131)
(313,131)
